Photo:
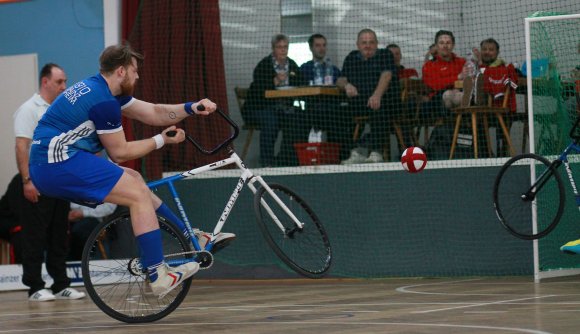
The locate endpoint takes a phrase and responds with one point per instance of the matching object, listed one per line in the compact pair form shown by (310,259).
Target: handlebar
(217,148)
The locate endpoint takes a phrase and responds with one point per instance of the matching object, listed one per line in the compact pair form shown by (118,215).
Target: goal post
(552,44)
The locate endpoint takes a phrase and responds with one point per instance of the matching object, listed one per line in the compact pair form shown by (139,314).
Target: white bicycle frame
(247,176)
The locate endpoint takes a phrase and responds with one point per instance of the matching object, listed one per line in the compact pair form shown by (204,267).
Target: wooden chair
(241,95)
(484,111)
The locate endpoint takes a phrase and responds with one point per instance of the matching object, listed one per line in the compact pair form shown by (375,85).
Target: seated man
(83,220)
(408,106)
(497,74)
(321,109)
(273,115)
(440,75)
(372,87)
(402,72)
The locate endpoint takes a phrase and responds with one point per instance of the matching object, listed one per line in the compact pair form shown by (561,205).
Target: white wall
(18,82)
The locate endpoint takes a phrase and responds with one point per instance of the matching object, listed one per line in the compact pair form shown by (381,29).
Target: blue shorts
(85,178)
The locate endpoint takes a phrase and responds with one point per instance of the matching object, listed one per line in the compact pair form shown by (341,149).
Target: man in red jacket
(497,75)
(440,75)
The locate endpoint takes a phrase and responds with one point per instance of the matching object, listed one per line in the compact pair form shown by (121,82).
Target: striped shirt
(74,120)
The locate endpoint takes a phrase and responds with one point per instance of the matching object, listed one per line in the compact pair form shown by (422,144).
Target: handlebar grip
(171,133)
(200,107)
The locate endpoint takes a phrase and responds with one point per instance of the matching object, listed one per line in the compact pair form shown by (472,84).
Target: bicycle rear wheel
(306,250)
(113,275)
(513,195)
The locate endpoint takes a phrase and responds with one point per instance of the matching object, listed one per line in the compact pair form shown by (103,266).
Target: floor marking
(289,323)
(480,304)
(485,312)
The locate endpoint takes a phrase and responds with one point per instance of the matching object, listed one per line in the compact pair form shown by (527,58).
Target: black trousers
(45,236)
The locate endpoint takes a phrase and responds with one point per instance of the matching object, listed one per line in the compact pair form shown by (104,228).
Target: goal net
(553,49)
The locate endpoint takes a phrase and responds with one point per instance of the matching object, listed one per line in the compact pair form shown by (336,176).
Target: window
(296,17)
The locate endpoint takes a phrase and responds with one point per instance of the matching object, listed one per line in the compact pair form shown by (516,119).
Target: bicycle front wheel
(305,250)
(113,275)
(513,195)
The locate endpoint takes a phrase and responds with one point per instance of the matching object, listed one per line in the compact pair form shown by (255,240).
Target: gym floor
(437,305)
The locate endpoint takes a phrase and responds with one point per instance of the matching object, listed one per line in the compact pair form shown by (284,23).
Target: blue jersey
(74,119)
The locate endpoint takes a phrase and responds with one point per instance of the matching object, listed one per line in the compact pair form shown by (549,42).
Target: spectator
(272,115)
(317,44)
(322,109)
(372,87)
(402,72)
(440,75)
(497,74)
(43,219)
(83,220)
(408,106)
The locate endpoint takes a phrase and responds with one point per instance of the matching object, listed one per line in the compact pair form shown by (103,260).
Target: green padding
(439,222)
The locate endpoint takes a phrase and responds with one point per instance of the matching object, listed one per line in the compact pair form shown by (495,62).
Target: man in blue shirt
(86,118)
(321,110)
(369,79)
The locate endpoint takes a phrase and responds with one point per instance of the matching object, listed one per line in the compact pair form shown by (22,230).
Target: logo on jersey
(77,90)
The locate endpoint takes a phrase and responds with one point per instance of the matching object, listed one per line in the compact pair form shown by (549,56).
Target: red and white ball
(414,159)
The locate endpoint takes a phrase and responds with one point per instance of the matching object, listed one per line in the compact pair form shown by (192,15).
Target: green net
(382,220)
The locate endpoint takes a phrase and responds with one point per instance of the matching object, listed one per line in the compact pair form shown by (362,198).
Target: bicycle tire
(513,210)
(306,251)
(114,280)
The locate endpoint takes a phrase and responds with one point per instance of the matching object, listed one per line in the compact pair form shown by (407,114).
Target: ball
(414,159)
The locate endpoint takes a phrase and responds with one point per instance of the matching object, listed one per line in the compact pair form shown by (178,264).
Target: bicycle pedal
(205,259)
(221,245)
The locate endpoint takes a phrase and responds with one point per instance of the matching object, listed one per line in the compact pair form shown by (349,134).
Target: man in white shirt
(44,220)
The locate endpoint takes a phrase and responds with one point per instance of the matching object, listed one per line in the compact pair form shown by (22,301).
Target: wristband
(159,141)
(187,107)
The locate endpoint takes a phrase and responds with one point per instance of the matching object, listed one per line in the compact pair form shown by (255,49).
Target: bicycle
(116,282)
(517,193)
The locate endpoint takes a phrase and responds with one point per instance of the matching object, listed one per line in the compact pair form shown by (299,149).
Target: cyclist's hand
(175,139)
(207,107)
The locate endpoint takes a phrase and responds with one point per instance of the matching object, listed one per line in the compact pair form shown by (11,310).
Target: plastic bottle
(318,75)
(328,73)
(471,65)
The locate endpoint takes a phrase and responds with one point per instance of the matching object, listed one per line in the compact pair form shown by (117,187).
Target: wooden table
(302,91)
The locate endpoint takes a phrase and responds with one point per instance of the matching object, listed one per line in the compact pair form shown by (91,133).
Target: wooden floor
(463,305)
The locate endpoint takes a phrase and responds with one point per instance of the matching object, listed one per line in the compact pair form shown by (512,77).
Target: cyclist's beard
(127,89)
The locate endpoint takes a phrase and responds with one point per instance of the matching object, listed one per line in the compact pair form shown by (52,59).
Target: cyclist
(86,118)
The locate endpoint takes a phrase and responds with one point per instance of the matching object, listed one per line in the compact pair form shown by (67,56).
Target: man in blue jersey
(86,118)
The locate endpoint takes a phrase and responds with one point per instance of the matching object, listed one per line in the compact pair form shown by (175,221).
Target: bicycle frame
(573,146)
(247,177)
(562,159)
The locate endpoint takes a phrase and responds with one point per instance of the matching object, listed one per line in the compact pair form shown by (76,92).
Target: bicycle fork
(299,225)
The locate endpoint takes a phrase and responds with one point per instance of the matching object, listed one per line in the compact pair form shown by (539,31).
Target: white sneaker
(168,278)
(374,157)
(221,241)
(70,294)
(355,158)
(43,295)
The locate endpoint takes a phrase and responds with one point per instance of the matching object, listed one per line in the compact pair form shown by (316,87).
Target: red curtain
(129,11)
(181,42)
